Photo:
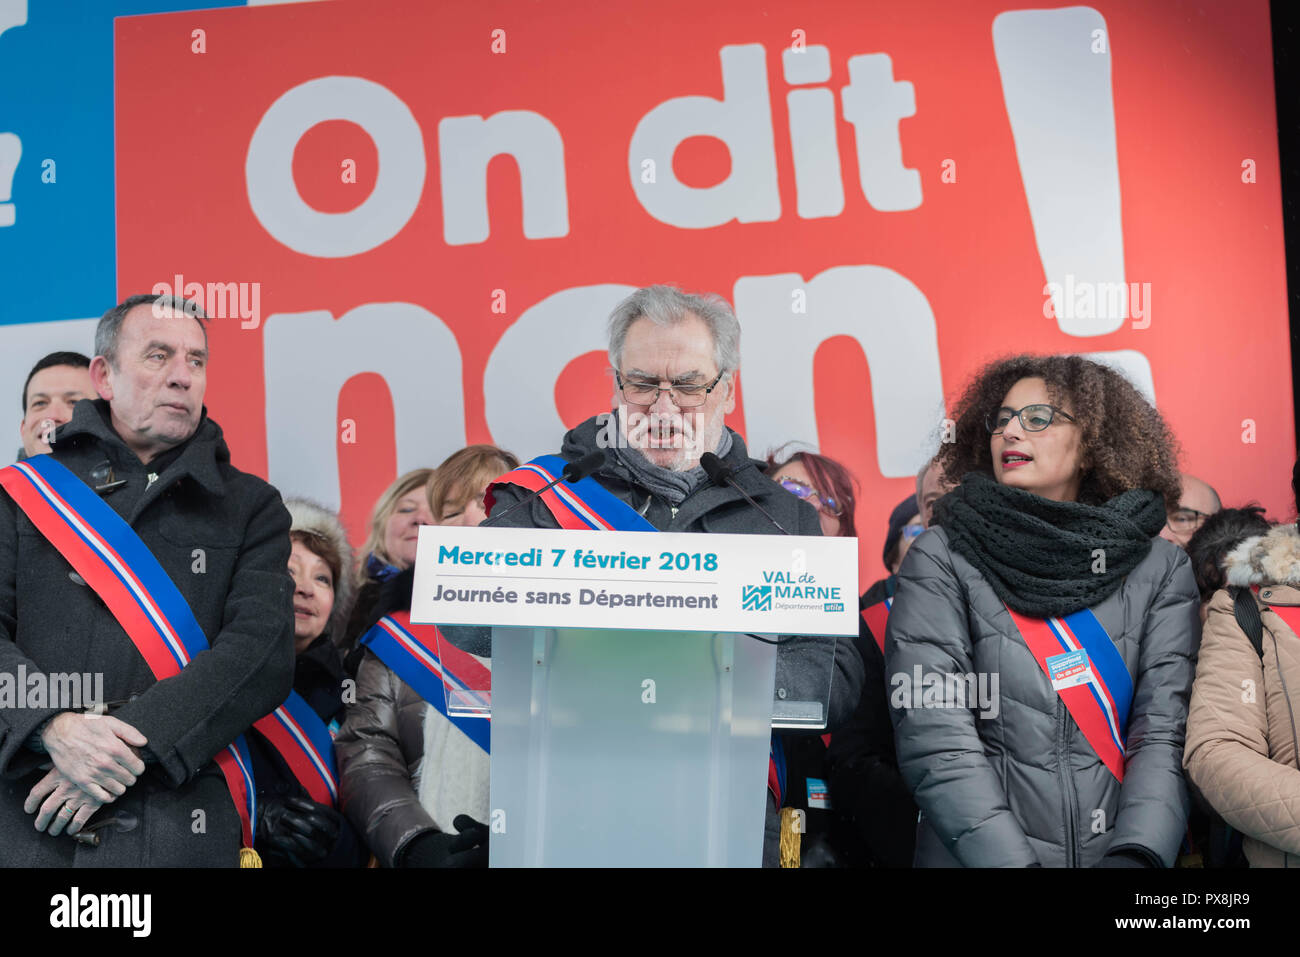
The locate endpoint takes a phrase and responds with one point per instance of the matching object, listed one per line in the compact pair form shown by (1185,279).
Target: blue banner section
(56,163)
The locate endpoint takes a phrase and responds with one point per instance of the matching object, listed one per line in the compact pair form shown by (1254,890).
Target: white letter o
(268,171)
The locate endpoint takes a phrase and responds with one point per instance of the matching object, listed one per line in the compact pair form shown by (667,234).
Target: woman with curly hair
(1042,641)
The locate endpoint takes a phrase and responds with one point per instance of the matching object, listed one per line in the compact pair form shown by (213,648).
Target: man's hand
(59,804)
(95,753)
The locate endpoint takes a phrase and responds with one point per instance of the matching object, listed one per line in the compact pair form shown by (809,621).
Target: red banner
(411,221)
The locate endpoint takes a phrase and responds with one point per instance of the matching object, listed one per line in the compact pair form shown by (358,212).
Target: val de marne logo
(756,597)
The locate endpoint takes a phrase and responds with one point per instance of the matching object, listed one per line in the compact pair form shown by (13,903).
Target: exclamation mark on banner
(1055,67)
(11,150)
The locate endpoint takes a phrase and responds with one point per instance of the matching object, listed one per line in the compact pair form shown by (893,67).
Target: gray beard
(669,484)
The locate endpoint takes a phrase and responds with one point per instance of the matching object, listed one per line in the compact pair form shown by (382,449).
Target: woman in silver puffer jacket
(1041,646)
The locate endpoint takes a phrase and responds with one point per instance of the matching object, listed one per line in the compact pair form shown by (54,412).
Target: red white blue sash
(304,741)
(412,651)
(1095,686)
(105,551)
(776,769)
(877,618)
(585,505)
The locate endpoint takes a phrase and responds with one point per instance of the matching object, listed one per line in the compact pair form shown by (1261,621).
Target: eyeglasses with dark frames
(685,395)
(1034,417)
(1187,519)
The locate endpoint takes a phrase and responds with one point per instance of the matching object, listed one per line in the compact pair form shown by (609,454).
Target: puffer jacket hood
(1243,746)
(309,516)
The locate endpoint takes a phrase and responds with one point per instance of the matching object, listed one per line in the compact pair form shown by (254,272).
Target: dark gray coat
(801,666)
(222,537)
(1025,786)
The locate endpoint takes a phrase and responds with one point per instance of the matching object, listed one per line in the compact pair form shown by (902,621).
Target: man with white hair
(674,357)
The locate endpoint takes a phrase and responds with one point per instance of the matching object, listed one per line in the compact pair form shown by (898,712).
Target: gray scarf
(671,486)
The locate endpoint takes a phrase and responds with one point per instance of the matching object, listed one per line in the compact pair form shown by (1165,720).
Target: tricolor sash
(304,741)
(776,769)
(1087,671)
(585,505)
(877,617)
(412,651)
(107,553)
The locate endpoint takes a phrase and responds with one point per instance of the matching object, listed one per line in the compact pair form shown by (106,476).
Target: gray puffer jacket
(1021,785)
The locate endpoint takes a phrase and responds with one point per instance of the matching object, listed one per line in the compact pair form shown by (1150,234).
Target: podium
(637,731)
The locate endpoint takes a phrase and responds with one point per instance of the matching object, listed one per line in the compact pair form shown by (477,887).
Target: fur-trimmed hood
(309,516)
(1269,559)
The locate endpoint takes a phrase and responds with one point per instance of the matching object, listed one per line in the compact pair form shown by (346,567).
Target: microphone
(572,472)
(721,474)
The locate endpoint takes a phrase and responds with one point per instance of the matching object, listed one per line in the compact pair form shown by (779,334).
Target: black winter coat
(318,679)
(871,805)
(223,537)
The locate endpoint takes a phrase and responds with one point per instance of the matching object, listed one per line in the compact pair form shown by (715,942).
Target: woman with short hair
(1042,641)
(293,829)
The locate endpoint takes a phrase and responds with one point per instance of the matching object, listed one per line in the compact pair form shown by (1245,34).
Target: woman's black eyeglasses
(1034,418)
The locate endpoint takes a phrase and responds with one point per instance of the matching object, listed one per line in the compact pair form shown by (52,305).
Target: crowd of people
(1078,657)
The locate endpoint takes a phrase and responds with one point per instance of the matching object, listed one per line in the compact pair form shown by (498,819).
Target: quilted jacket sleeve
(1227,754)
(1153,802)
(375,787)
(940,753)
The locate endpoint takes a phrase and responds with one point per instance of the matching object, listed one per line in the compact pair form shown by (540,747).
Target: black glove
(296,832)
(469,848)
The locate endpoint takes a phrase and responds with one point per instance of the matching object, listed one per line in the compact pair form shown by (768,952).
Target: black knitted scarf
(1042,557)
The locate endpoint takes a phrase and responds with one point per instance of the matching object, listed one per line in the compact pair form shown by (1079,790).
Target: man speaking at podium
(675,357)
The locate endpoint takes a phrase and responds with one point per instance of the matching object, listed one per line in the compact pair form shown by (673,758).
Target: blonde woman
(389,549)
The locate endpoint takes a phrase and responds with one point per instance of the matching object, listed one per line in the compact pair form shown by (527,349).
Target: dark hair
(828,476)
(902,515)
(323,549)
(1125,441)
(1222,532)
(110,324)
(74,359)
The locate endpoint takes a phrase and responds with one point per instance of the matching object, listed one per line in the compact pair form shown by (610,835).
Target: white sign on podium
(775,584)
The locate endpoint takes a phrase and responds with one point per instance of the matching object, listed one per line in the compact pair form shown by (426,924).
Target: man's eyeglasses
(685,395)
(806,492)
(1187,519)
(1034,418)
